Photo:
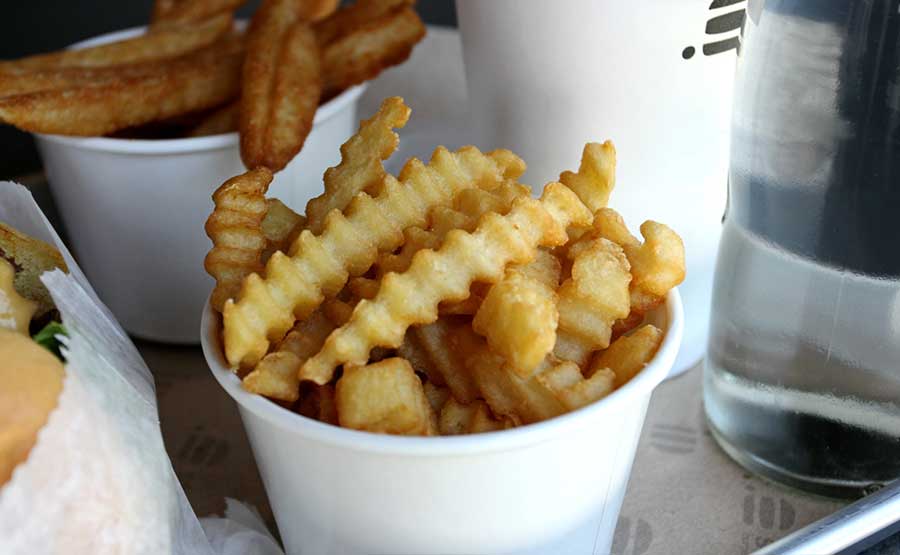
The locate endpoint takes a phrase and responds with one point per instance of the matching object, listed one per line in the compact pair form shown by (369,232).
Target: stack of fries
(445,300)
(191,73)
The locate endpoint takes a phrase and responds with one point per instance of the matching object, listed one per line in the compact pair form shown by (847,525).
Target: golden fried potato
(386,397)
(235,229)
(628,355)
(657,265)
(282,83)
(447,274)
(443,360)
(592,300)
(317,267)
(418,357)
(519,315)
(317,402)
(596,175)
(437,395)
(459,418)
(362,156)
(522,400)
(281,225)
(276,376)
(567,383)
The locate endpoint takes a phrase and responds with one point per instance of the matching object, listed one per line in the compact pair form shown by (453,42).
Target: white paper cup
(655,76)
(135,209)
(554,488)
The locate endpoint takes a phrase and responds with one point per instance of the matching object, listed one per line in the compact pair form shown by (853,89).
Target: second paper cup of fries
(437,362)
(136,128)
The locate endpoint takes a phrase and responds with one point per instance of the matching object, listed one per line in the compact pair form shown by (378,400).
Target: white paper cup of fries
(135,209)
(552,487)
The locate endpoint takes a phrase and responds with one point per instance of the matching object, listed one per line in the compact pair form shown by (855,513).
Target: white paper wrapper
(98,480)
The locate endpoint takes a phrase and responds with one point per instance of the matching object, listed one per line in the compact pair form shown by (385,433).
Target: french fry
(169,12)
(276,374)
(437,395)
(363,287)
(657,265)
(317,402)
(162,44)
(519,316)
(447,274)
(418,357)
(386,397)
(281,87)
(191,83)
(361,167)
(369,49)
(318,266)
(223,120)
(469,206)
(522,400)
(596,175)
(434,340)
(235,228)
(592,300)
(281,225)
(567,383)
(459,418)
(628,355)
(350,17)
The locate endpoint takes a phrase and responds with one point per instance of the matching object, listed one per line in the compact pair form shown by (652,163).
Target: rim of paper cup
(505,440)
(183,144)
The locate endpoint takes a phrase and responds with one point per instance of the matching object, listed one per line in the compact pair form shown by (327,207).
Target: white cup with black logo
(655,76)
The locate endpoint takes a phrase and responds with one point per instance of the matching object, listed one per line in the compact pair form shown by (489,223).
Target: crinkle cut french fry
(460,418)
(628,355)
(368,50)
(276,374)
(434,339)
(469,206)
(235,227)
(567,383)
(282,83)
(280,226)
(447,274)
(319,266)
(317,402)
(188,84)
(522,400)
(592,300)
(361,167)
(163,44)
(384,397)
(596,176)
(418,357)
(519,315)
(657,265)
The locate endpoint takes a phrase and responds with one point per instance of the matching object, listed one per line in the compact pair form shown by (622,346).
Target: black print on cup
(727,19)
(679,440)
(632,540)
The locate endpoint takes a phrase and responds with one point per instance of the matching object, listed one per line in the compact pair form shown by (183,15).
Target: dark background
(37,26)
